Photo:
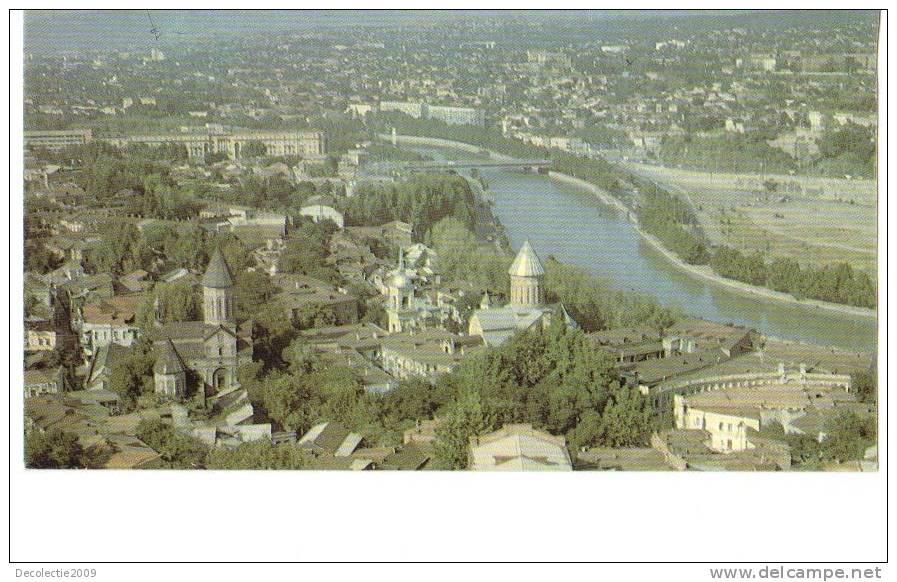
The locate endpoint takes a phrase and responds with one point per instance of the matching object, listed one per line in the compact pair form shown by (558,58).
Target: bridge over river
(429,166)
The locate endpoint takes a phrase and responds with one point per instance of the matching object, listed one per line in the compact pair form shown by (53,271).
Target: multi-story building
(732,409)
(457,115)
(56,140)
(111,320)
(234,144)
(426,353)
(415,110)
(445,113)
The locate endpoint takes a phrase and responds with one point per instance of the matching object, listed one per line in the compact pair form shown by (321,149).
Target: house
(409,457)
(363,338)
(732,410)
(320,208)
(100,368)
(310,302)
(110,320)
(398,233)
(131,453)
(427,353)
(518,447)
(330,439)
(98,396)
(40,336)
(622,459)
(135,281)
(693,334)
(45,381)
(629,345)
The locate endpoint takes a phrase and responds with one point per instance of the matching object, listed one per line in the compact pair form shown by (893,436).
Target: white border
(332,516)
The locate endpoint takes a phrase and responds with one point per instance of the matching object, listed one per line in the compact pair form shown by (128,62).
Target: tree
(115,253)
(254,149)
(131,376)
(185,247)
(288,401)
(626,420)
(301,357)
(272,332)
(53,449)
(454,244)
(342,396)
(848,437)
(313,315)
(178,301)
(258,455)
(38,258)
(849,149)
(252,290)
(413,399)
(306,252)
(865,385)
(178,451)
(467,417)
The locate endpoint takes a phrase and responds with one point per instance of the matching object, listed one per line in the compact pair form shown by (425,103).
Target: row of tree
(673,222)
(421,200)
(837,283)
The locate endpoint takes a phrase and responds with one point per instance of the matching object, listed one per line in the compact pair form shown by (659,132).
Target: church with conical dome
(526,309)
(203,356)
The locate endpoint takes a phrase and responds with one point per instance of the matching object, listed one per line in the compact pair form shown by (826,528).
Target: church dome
(400,279)
(527,263)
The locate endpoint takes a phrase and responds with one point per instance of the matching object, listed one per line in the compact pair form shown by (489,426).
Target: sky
(61,30)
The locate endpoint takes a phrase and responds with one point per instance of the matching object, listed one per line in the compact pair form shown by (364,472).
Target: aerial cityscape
(447,240)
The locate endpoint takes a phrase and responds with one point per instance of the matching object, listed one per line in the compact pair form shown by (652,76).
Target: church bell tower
(218,292)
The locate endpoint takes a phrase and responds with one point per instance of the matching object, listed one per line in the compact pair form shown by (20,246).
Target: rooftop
(218,274)
(527,263)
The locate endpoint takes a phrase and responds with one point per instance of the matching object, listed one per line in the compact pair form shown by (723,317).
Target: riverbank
(697,272)
(705,272)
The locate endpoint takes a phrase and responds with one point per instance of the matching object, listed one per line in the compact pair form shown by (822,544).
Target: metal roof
(527,263)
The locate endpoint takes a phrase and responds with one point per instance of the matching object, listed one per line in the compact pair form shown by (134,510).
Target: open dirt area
(811,219)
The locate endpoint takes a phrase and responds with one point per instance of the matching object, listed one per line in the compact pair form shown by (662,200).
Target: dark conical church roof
(218,273)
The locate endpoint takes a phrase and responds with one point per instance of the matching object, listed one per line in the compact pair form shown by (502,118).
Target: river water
(577,228)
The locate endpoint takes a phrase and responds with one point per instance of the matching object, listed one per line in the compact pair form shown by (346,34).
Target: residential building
(733,409)
(518,447)
(234,144)
(330,439)
(426,353)
(57,140)
(110,320)
(309,302)
(45,381)
(320,208)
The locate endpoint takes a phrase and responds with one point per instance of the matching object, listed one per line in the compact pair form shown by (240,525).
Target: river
(577,228)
